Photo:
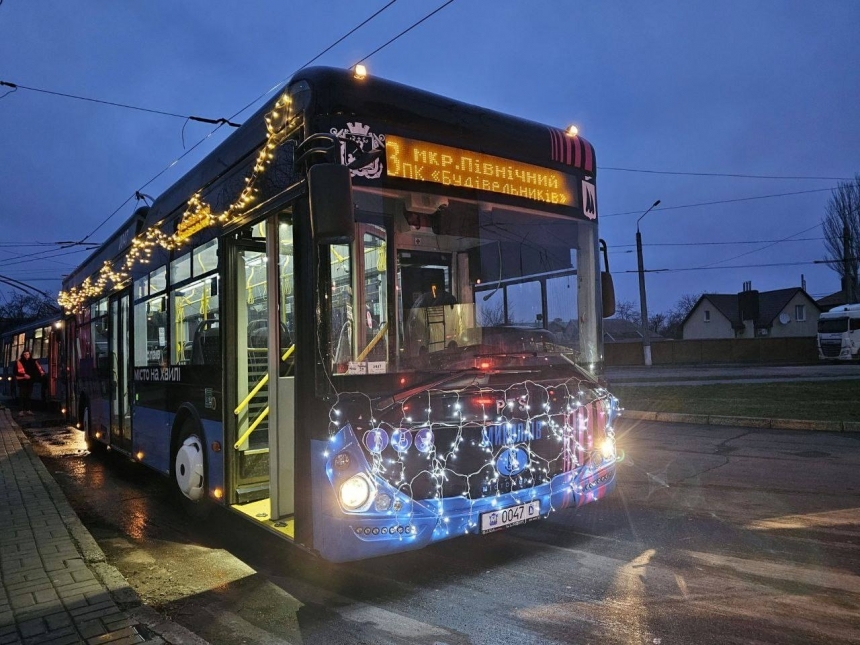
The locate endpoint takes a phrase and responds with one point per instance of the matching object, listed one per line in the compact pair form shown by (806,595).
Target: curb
(117,586)
(746,422)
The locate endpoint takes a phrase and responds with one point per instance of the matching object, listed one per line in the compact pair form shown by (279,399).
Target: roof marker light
(572,131)
(360,72)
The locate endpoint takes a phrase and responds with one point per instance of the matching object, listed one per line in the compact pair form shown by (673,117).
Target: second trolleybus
(370,320)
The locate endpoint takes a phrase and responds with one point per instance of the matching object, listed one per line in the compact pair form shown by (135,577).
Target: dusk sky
(745,87)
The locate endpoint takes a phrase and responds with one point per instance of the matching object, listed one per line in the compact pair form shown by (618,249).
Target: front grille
(831,350)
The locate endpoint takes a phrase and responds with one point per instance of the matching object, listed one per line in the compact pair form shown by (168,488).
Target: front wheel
(189,467)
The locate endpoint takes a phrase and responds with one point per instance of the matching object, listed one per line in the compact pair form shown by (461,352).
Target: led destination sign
(438,164)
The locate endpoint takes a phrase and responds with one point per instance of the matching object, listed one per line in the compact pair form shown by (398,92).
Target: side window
(99,336)
(707,315)
(205,258)
(800,313)
(150,332)
(36,351)
(195,323)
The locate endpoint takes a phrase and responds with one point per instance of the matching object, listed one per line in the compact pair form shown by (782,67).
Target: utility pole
(849,279)
(643,304)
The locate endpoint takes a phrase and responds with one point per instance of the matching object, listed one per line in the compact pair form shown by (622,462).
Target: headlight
(355,493)
(607,448)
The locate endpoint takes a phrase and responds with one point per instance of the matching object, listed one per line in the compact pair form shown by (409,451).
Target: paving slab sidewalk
(55,586)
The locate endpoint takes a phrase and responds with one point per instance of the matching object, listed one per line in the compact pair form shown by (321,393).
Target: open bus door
(260,348)
(120,353)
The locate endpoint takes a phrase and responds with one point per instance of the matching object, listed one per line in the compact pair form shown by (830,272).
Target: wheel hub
(189,468)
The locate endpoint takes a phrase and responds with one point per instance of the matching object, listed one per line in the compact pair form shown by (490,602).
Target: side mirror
(607,287)
(330,194)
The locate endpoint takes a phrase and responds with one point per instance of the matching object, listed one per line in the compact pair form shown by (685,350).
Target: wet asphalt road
(714,535)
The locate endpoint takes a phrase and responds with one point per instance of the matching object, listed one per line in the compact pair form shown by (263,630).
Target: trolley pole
(643,303)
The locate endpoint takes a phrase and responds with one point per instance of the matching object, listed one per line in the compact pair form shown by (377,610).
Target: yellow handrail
(373,343)
(252,427)
(288,353)
(252,394)
(262,382)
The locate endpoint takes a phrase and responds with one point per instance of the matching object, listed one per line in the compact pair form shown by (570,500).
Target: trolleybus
(44,340)
(370,320)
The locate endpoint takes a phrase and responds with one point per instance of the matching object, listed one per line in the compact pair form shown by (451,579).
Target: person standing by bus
(28,372)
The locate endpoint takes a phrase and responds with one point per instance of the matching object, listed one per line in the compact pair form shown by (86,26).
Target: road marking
(826,519)
(811,576)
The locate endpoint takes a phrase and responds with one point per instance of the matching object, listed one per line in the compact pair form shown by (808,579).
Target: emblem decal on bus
(589,202)
(358,143)
(512,461)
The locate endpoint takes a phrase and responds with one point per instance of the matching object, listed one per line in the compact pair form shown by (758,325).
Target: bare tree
(673,327)
(841,226)
(23,308)
(628,310)
(493,315)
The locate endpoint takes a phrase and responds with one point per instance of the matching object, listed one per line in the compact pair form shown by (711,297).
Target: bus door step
(252,492)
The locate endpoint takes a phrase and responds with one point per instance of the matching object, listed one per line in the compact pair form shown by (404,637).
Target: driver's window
(372,329)
(342,315)
(359,303)
(286,296)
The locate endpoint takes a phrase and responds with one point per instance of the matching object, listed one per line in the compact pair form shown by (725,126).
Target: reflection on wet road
(714,535)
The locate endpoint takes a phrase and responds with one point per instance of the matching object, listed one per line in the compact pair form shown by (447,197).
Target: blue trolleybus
(370,320)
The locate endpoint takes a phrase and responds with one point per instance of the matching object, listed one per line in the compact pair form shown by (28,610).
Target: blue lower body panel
(342,536)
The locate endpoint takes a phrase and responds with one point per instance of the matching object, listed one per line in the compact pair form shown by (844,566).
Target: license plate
(511,516)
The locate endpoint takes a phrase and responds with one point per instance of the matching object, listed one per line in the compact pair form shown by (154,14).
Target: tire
(93,445)
(190,475)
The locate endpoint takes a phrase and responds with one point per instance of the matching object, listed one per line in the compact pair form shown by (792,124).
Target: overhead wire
(723,201)
(735,257)
(733,266)
(127,106)
(233,116)
(405,31)
(23,286)
(633,246)
(315,58)
(721,174)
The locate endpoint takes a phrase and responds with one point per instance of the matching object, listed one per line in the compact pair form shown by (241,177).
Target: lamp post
(646,333)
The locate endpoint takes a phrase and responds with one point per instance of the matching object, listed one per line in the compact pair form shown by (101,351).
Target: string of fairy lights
(197,216)
(561,418)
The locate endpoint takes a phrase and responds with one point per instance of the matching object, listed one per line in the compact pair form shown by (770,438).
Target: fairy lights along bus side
(369,321)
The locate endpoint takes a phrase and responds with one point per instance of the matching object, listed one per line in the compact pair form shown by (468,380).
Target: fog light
(607,448)
(341,461)
(355,493)
(383,502)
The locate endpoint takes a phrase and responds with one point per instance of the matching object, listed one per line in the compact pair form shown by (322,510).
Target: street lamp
(646,333)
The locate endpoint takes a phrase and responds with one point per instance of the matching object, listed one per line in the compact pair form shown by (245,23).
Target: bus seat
(206,348)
